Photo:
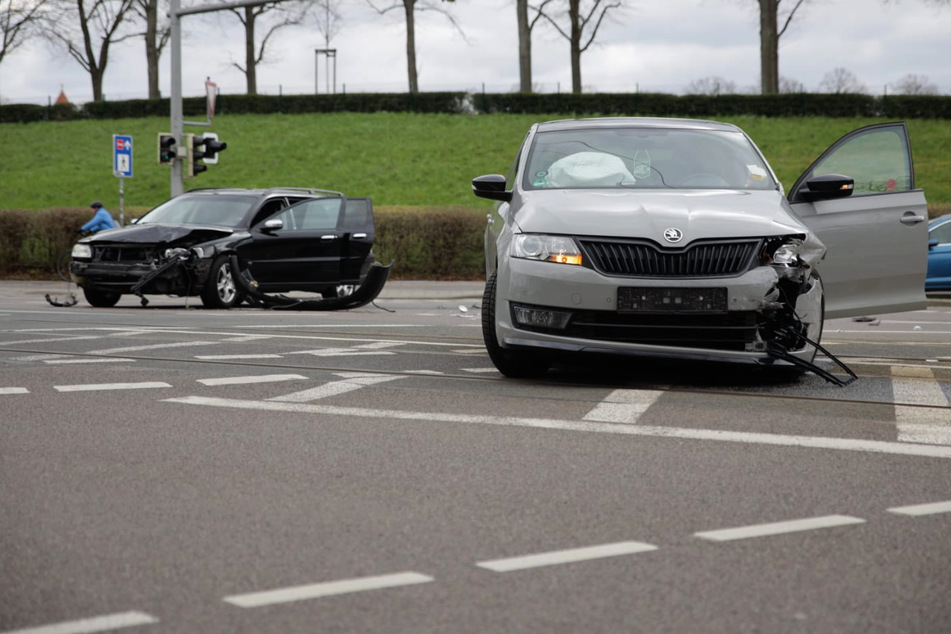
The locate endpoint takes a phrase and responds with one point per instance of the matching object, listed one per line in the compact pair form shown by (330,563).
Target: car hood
(636,214)
(161,234)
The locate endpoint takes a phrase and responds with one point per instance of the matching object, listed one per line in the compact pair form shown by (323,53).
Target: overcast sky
(651,46)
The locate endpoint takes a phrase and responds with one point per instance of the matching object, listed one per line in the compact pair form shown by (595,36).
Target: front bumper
(186,279)
(739,333)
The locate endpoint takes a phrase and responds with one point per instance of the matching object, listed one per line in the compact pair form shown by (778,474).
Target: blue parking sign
(122,156)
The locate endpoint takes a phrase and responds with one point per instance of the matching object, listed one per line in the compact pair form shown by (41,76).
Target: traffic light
(194,153)
(212,147)
(167,148)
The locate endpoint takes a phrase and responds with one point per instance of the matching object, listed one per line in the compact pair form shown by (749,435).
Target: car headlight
(537,246)
(784,252)
(82,251)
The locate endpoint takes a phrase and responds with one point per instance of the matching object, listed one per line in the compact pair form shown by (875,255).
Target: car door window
(941,233)
(319,214)
(878,159)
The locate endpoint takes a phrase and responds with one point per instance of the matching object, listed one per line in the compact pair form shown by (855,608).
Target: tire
(220,290)
(511,363)
(101,299)
(62,264)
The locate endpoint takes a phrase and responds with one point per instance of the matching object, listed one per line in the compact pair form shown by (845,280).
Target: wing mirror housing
(273,224)
(491,186)
(827,187)
(932,243)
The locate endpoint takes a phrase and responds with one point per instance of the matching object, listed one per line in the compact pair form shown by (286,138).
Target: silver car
(674,238)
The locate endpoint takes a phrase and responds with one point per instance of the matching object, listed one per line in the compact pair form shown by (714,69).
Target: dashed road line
(236,357)
(929,425)
(94,624)
(95,387)
(90,360)
(781,440)
(572,555)
(155,346)
(242,380)
(623,406)
(14,390)
(352,381)
(779,528)
(922,509)
(326,589)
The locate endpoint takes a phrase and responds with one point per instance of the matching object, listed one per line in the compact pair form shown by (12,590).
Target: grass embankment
(397,159)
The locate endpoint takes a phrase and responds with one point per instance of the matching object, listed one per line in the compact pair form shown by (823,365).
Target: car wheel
(511,363)
(220,290)
(101,299)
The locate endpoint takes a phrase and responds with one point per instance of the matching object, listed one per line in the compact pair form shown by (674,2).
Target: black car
(286,239)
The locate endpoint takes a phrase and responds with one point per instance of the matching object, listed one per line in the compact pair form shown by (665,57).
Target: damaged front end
(793,311)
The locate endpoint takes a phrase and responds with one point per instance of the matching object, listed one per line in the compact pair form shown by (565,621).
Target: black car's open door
(877,236)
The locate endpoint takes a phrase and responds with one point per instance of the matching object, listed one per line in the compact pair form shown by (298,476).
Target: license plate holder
(652,299)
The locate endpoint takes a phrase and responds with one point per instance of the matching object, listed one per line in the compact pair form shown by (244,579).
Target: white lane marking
(429,372)
(40,357)
(474,350)
(94,387)
(14,390)
(326,589)
(779,528)
(928,425)
(491,370)
(94,624)
(350,383)
(922,509)
(50,340)
(779,440)
(93,360)
(566,556)
(246,338)
(379,345)
(341,352)
(229,357)
(623,406)
(156,346)
(242,380)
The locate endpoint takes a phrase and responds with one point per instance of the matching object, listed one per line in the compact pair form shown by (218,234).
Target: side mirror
(272,225)
(827,187)
(492,187)
(932,243)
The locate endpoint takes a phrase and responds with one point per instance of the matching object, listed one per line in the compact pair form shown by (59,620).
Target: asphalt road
(174,469)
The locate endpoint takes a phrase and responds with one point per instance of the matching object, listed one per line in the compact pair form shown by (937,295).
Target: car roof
(635,122)
(256,193)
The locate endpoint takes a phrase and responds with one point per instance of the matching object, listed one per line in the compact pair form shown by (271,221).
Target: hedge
(434,243)
(643,104)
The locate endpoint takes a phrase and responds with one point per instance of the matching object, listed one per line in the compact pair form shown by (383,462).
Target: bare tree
(17,20)
(581,29)
(87,29)
(912,84)
(328,18)
(711,86)
(770,15)
(410,7)
(278,15)
(525,28)
(840,81)
(787,85)
(156,36)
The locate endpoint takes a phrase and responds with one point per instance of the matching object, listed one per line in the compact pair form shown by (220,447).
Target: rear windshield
(610,158)
(224,211)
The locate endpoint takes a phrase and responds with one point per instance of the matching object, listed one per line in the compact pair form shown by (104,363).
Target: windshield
(225,211)
(645,158)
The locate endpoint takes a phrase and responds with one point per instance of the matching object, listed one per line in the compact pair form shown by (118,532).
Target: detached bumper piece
(779,351)
(363,295)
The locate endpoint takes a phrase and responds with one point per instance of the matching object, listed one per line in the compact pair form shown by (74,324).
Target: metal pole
(178,129)
(121,202)
(316,69)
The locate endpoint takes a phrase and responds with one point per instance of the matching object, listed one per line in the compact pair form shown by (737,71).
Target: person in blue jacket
(101,220)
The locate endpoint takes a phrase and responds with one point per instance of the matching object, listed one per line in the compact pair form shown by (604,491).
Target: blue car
(939,255)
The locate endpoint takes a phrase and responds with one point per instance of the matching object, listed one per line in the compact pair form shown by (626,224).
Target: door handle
(911,218)
(328,238)
(359,236)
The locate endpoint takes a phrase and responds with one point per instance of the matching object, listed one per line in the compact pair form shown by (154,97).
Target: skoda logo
(673,235)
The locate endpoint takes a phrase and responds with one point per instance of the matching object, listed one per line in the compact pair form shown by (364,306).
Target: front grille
(641,258)
(719,331)
(126,254)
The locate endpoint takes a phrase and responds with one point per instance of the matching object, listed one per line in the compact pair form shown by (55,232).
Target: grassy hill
(397,159)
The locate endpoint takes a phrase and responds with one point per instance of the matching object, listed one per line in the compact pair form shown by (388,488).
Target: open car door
(877,237)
